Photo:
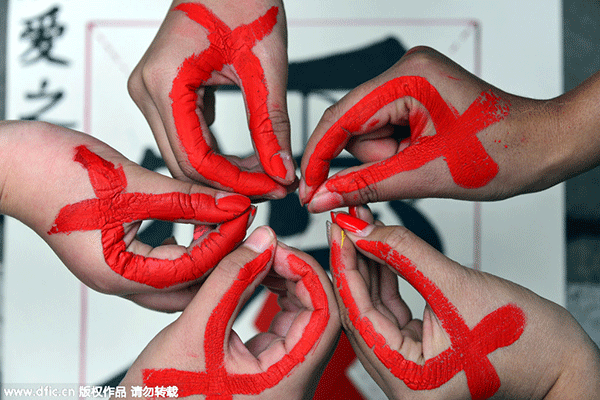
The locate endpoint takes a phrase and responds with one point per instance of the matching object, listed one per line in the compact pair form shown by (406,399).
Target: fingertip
(324,200)
(261,239)
(283,168)
(232,202)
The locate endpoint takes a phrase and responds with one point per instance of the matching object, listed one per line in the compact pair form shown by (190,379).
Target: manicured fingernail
(324,200)
(351,224)
(260,240)
(353,210)
(230,202)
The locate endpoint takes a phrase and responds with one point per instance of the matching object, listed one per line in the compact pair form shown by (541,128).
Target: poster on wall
(68,64)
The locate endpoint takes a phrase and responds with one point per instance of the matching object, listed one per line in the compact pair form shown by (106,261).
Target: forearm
(35,167)
(579,126)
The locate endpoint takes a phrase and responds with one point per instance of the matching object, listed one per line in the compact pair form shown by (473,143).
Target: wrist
(579,127)
(580,377)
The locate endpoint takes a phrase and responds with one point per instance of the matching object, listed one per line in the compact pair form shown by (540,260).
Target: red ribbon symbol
(455,138)
(216,382)
(234,48)
(469,348)
(113,207)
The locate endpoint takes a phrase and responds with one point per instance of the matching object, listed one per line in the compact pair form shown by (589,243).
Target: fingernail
(230,202)
(351,224)
(260,240)
(353,210)
(252,216)
(324,200)
(281,163)
(328,228)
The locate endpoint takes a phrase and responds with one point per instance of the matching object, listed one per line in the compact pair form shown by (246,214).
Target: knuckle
(331,115)
(280,121)
(419,56)
(399,238)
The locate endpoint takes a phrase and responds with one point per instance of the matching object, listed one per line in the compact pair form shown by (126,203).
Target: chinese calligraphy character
(51,98)
(41,31)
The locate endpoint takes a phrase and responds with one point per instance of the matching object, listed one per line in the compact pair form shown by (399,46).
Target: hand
(88,201)
(201,45)
(480,336)
(467,139)
(199,354)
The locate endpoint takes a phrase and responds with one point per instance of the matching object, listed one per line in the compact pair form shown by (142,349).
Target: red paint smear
(232,48)
(455,138)
(215,382)
(266,314)
(469,348)
(113,207)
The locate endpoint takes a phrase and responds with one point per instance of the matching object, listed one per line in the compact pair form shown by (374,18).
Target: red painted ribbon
(233,48)
(455,139)
(114,207)
(470,347)
(216,382)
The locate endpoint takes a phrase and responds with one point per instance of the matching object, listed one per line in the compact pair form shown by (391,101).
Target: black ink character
(51,100)
(41,31)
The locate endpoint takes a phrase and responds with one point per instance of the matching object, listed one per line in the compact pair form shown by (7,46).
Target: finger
(159,268)
(263,79)
(391,303)
(166,302)
(331,135)
(304,333)
(308,317)
(227,288)
(360,316)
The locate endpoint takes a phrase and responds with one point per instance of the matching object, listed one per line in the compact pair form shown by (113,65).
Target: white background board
(57,332)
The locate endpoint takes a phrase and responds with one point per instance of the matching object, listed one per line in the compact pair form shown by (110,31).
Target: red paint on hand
(216,382)
(470,347)
(233,48)
(455,138)
(114,207)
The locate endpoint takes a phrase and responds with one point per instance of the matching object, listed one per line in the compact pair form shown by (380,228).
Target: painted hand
(88,202)
(480,336)
(198,47)
(465,139)
(201,355)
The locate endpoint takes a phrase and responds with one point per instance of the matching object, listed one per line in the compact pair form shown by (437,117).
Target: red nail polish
(234,203)
(353,210)
(350,223)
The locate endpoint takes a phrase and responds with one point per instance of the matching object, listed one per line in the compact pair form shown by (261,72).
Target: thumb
(229,285)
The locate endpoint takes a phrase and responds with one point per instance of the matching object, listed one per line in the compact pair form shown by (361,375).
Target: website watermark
(88,392)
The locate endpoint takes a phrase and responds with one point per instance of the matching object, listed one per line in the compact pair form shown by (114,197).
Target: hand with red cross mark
(88,202)
(203,357)
(429,128)
(480,336)
(200,46)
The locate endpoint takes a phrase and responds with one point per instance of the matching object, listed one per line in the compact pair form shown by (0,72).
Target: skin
(187,348)
(535,145)
(559,360)
(194,52)
(77,177)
